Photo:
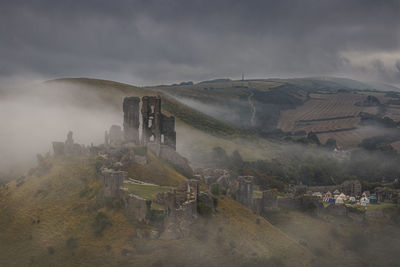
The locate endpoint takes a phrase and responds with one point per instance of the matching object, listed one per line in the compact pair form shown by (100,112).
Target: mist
(34,113)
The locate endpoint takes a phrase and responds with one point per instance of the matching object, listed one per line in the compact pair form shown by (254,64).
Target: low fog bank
(230,111)
(33,114)
(290,162)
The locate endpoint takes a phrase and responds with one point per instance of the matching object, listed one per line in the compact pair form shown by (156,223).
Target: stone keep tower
(151,123)
(245,190)
(131,119)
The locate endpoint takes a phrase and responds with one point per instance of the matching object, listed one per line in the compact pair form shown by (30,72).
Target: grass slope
(157,171)
(47,217)
(338,241)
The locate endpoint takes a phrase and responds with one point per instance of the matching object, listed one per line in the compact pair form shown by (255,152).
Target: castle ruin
(131,119)
(157,128)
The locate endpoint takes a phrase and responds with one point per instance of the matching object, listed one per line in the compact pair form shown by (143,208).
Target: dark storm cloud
(147,42)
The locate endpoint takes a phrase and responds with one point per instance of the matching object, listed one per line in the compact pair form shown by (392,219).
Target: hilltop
(49,218)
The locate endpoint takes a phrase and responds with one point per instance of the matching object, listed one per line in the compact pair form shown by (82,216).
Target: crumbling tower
(131,119)
(151,124)
(168,134)
(113,183)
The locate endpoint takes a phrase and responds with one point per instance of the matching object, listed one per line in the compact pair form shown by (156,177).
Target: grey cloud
(148,42)
(398,64)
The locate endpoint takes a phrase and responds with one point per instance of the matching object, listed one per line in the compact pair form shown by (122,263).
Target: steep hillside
(54,217)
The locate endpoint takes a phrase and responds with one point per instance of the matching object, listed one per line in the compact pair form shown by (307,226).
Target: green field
(148,192)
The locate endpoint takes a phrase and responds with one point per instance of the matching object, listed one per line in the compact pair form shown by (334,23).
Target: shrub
(215,189)
(99,163)
(116,204)
(50,250)
(72,243)
(204,209)
(215,201)
(101,222)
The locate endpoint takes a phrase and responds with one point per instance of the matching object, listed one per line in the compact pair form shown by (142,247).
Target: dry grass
(47,221)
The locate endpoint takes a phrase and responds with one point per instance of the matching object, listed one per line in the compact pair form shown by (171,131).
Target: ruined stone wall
(212,175)
(288,202)
(336,210)
(131,119)
(181,209)
(269,200)
(169,154)
(58,148)
(137,208)
(68,147)
(177,223)
(113,183)
(115,134)
(245,190)
(151,119)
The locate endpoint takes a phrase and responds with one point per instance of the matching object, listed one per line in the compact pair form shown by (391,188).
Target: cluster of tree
(381,143)
(376,120)
(311,166)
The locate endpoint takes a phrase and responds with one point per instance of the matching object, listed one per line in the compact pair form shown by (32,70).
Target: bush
(50,250)
(98,164)
(215,201)
(116,204)
(71,243)
(215,189)
(204,209)
(101,222)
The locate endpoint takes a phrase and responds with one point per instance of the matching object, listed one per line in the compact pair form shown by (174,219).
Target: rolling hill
(248,109)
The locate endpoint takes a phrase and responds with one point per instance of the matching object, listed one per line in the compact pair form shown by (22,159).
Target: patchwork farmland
(334,116)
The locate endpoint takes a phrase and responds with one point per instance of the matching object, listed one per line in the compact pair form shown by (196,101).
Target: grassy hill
(231,109)
(51,218)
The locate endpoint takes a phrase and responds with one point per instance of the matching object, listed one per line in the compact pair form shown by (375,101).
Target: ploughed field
(335,116)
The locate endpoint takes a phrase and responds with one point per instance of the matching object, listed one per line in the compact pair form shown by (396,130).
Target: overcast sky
(152,42)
